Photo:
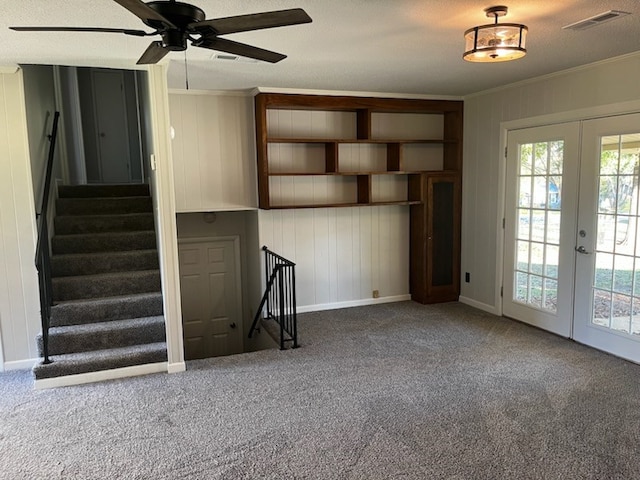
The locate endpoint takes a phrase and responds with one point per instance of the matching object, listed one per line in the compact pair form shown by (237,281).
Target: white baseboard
(353,303)
(479,305)
(92,377)
(20,364)
(176,367)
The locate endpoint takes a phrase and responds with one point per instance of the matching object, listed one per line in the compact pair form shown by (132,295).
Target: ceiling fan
(177,22)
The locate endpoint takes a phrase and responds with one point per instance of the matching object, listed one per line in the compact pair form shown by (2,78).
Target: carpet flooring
(396,391)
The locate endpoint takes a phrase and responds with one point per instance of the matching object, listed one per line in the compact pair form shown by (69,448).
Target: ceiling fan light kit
(178,23)
(496,42)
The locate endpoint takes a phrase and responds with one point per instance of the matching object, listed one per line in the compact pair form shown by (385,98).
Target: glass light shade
(498,42)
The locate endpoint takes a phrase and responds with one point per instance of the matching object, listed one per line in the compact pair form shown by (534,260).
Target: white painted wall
(19,300)
(213,151)
(342,254)
(575,93)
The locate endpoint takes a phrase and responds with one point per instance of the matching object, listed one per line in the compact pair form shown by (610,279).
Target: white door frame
(538,121)
(164,202)
(560,320)
(238,265)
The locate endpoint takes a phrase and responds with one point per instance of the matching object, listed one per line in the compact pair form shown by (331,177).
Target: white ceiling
(400,46)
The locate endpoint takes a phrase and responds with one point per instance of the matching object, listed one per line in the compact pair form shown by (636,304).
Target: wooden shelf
(341,174)
(342,205)
(370,141)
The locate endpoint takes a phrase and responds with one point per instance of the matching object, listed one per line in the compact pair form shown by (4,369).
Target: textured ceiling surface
(401,46)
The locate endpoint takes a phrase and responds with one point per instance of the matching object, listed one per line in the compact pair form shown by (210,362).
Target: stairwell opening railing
(279,298)
(43,253)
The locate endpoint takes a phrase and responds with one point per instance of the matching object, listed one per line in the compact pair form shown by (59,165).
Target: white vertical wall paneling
(321,256)
(175,107)
(210,112)
(603,88)
(304,248)
(19,299)
(406,126)
(214,150)
(366,251)
(376,251)
(344,254)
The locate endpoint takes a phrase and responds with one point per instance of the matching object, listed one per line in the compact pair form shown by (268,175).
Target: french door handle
(582,250)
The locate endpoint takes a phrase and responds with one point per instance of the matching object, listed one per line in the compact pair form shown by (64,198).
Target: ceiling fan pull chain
(186,71)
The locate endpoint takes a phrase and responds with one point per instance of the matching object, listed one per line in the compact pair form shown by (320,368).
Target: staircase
(107,309)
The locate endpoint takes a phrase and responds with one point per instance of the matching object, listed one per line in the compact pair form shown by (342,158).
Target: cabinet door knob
(232,325)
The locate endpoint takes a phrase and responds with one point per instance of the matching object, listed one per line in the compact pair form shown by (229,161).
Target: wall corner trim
(480,306)
(353,303)
(176,367)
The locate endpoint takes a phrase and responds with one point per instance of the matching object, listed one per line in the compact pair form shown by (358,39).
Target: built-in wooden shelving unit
(365,151)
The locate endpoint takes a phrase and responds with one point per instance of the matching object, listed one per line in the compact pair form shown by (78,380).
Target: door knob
(232,325)
(582,250)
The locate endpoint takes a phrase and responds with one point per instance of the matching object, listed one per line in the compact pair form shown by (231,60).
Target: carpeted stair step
(103,262)
(129,222)
(103,242)
(105,285)
(88,191)
(272,328)
(103,335)
(103,205)
(79,312)
(76,363)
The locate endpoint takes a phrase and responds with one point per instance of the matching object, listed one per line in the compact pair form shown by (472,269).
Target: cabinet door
(435,240)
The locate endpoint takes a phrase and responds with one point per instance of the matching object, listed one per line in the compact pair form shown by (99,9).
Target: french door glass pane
(617,272)
(538,234)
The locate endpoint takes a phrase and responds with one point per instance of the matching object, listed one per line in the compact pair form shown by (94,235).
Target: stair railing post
(267,273)
(295,309)
(282,309)
(43,255)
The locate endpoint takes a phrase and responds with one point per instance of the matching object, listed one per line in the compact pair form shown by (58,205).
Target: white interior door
(540,225)
(211,298)
(607,290)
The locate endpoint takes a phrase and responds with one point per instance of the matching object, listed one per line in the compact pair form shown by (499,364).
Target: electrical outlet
(467,277)
(376,294)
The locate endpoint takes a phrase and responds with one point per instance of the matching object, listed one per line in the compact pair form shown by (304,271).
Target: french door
(572,235)
(607,292)
(540,224)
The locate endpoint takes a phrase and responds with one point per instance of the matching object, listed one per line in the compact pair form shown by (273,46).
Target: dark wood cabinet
(435,239)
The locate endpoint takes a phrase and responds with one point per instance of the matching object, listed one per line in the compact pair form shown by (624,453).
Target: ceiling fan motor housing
(181,15)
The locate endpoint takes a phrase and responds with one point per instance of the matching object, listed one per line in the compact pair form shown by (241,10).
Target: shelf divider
(394,159)
(331,157)
(363,127)
(364,189)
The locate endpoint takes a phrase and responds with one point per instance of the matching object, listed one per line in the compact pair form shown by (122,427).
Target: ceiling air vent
(595,20)
(232,58)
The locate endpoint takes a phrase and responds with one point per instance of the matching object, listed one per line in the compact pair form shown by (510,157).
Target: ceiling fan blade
(153,54)
(126,31)
(147,14)
(254,21)
(242,49)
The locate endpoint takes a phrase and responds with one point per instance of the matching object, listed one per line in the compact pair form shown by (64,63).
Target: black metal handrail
(43,254)
(279,297)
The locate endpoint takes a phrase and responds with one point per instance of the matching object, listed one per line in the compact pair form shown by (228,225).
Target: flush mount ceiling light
(495,42)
